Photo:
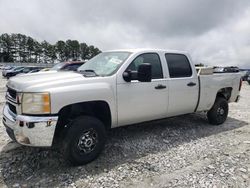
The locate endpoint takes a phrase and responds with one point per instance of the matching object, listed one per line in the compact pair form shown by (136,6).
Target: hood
(44,81)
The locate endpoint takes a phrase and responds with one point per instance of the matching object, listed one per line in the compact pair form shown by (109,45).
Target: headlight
(35,103)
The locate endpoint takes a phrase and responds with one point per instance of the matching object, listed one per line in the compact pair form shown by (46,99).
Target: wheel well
(225,93)
(98,109)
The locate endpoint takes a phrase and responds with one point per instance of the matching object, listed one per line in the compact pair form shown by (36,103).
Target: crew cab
(115,88)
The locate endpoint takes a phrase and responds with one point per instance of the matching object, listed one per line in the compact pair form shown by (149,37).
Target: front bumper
(30,130)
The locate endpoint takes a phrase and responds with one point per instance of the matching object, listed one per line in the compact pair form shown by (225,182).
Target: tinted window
(151,58)
(178,65)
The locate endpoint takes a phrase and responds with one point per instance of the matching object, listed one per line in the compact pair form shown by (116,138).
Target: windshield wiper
(88,72)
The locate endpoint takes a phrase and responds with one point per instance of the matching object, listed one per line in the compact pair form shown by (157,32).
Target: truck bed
(210,84)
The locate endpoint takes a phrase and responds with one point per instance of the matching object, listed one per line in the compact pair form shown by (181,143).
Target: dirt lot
(178,152)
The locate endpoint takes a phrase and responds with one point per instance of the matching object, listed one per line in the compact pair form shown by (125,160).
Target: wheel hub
(87,141)
(220,111)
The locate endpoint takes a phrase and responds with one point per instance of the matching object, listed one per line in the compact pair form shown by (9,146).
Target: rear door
(183,85)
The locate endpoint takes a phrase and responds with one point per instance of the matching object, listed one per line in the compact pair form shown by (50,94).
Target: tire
(84,141)
(218,113)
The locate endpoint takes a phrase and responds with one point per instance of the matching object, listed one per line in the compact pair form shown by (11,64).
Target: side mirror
(130,75)
(126,76)
(144,72)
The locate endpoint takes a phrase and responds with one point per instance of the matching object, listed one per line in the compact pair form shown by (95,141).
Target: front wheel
(84,140)
(218,113)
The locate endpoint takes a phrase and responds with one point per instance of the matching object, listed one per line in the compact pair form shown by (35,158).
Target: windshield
(105,64)
(58,66)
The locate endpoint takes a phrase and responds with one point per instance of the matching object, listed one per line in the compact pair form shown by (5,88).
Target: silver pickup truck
(115,88)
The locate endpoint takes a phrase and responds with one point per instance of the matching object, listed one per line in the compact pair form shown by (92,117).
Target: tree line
(22,48)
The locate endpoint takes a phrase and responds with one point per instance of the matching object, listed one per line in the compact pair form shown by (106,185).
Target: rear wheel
(218,113)
(84,140)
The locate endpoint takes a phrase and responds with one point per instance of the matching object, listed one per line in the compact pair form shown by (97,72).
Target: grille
(12,93)
(12,108)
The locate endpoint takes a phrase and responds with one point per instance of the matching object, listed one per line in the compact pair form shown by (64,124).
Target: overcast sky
(215,32)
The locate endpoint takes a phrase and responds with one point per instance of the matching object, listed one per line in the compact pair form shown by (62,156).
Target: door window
(151,58)
(178,65)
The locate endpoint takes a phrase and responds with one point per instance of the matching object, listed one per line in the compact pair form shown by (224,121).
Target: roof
(136,50)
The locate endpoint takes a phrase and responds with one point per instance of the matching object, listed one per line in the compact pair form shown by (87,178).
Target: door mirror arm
(145,72)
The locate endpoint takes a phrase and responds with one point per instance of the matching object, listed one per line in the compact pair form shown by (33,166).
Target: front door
(143,101)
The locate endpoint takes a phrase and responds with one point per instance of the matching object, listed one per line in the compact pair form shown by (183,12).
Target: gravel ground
(183,151)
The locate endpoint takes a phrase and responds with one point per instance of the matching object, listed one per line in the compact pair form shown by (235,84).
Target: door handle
(160,86)
(191,84)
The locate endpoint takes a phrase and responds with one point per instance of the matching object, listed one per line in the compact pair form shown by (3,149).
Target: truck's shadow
(125,144)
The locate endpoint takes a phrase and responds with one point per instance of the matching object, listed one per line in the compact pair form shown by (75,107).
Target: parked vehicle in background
(29,70)
(12,72)
(226,69)
(115,88)
(68,65)
(6,69)
(36,70)
(8,73)
(21,70)
(248,79)
(246,76)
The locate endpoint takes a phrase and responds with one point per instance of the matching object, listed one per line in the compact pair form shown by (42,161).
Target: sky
(213,32)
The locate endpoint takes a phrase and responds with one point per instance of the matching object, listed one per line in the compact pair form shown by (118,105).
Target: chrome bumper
(30,130)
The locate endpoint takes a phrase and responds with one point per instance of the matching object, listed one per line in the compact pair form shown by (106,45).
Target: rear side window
(178,65)
(151,58)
